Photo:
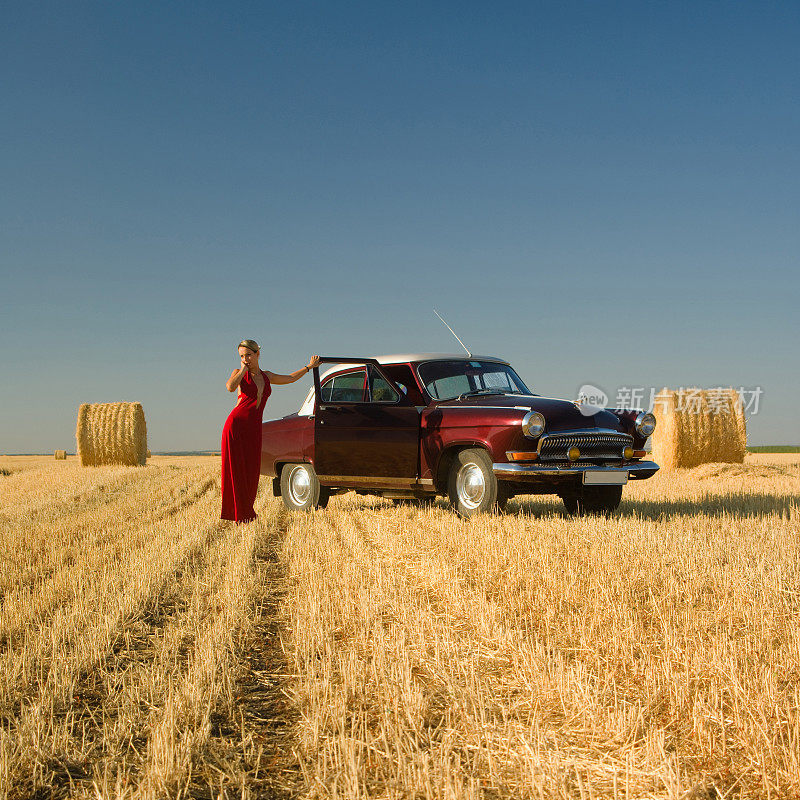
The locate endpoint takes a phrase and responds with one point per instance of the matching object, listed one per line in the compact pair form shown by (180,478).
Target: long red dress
(241,451)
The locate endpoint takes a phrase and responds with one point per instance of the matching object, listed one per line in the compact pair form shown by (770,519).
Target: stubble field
(372,651)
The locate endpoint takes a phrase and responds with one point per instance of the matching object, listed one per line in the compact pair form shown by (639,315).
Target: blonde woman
(241,436)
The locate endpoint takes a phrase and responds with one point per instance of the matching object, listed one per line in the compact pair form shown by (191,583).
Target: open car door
(367,436)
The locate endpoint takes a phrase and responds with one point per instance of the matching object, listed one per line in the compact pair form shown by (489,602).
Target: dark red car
(413,427)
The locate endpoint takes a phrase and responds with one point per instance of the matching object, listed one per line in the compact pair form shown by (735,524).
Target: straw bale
(741,425)
(666,437)
(60,455)
(111,433)
(734,437)
(697,426)
(705,431)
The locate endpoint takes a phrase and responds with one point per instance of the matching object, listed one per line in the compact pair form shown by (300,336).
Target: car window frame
(424,387)
(357,365)
(369,382)
(341,374)
(409,384)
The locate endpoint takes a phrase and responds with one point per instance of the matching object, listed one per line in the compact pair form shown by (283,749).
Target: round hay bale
(741,425)
(666,437)
(149,454)
(111,433)
(60,455)
(690,408)
(696,426)
(704,430)
(732,436)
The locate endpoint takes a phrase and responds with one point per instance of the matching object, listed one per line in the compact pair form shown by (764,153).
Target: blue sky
(603,193)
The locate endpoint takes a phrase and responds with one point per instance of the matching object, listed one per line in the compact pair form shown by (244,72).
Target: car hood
(559,414)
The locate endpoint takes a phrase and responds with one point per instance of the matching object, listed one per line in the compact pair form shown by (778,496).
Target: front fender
(444,433)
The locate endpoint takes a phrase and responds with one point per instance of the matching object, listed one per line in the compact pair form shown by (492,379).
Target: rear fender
(276,481)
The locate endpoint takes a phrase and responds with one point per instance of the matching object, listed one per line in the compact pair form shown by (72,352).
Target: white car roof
(404,358)
(397,358)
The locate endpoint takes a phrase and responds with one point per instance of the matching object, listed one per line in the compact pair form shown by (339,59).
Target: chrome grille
(593,445)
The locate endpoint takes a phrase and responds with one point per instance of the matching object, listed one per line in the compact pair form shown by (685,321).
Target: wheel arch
(446,460)
(276,481)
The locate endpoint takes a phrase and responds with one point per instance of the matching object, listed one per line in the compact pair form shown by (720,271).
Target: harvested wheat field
(371,651)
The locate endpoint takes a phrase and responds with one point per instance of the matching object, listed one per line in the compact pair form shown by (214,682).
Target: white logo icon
(591,399)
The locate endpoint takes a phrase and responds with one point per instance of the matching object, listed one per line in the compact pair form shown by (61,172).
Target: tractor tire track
(258,733)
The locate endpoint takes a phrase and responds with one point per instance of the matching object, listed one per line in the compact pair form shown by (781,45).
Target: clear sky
(601,192)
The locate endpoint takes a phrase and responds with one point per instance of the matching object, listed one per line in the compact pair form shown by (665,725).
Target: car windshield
(446,380)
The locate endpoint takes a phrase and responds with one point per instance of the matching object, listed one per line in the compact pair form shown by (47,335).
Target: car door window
(347,388)
(380,390)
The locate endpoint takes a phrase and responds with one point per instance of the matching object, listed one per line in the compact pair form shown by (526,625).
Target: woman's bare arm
(276,377)
(232,384)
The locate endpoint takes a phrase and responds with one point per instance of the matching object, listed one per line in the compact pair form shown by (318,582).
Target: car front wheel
(300,489)
(472,486)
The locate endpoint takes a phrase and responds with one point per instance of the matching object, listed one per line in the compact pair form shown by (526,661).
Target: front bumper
(540,473)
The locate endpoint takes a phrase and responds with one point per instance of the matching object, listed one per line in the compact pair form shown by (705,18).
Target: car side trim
(375,480)
(443,407)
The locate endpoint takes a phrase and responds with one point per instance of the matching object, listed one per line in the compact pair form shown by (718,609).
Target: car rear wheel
(300,489)
(593,500)
(472,486)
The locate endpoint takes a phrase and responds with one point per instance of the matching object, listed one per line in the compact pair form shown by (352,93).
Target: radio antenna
(452,331)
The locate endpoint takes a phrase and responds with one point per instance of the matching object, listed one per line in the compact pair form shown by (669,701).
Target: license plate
(597,477)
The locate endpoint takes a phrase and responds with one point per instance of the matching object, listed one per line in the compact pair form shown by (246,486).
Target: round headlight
(573,454)
(533,424)
(645,424)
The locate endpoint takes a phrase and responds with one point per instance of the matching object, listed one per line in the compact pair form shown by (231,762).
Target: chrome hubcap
(470,485)
(300,486)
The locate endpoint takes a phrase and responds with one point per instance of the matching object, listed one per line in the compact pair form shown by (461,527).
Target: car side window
(403,376)
(307,409)
(380,390)
(347,388)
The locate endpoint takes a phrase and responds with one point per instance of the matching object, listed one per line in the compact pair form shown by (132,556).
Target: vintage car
(417,426)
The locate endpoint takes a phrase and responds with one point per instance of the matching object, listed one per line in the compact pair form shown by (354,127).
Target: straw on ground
(147,650)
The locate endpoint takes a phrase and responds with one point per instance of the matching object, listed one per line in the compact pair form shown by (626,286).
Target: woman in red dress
(241,436)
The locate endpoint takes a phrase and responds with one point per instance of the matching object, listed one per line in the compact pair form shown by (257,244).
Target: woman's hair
(249,343)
